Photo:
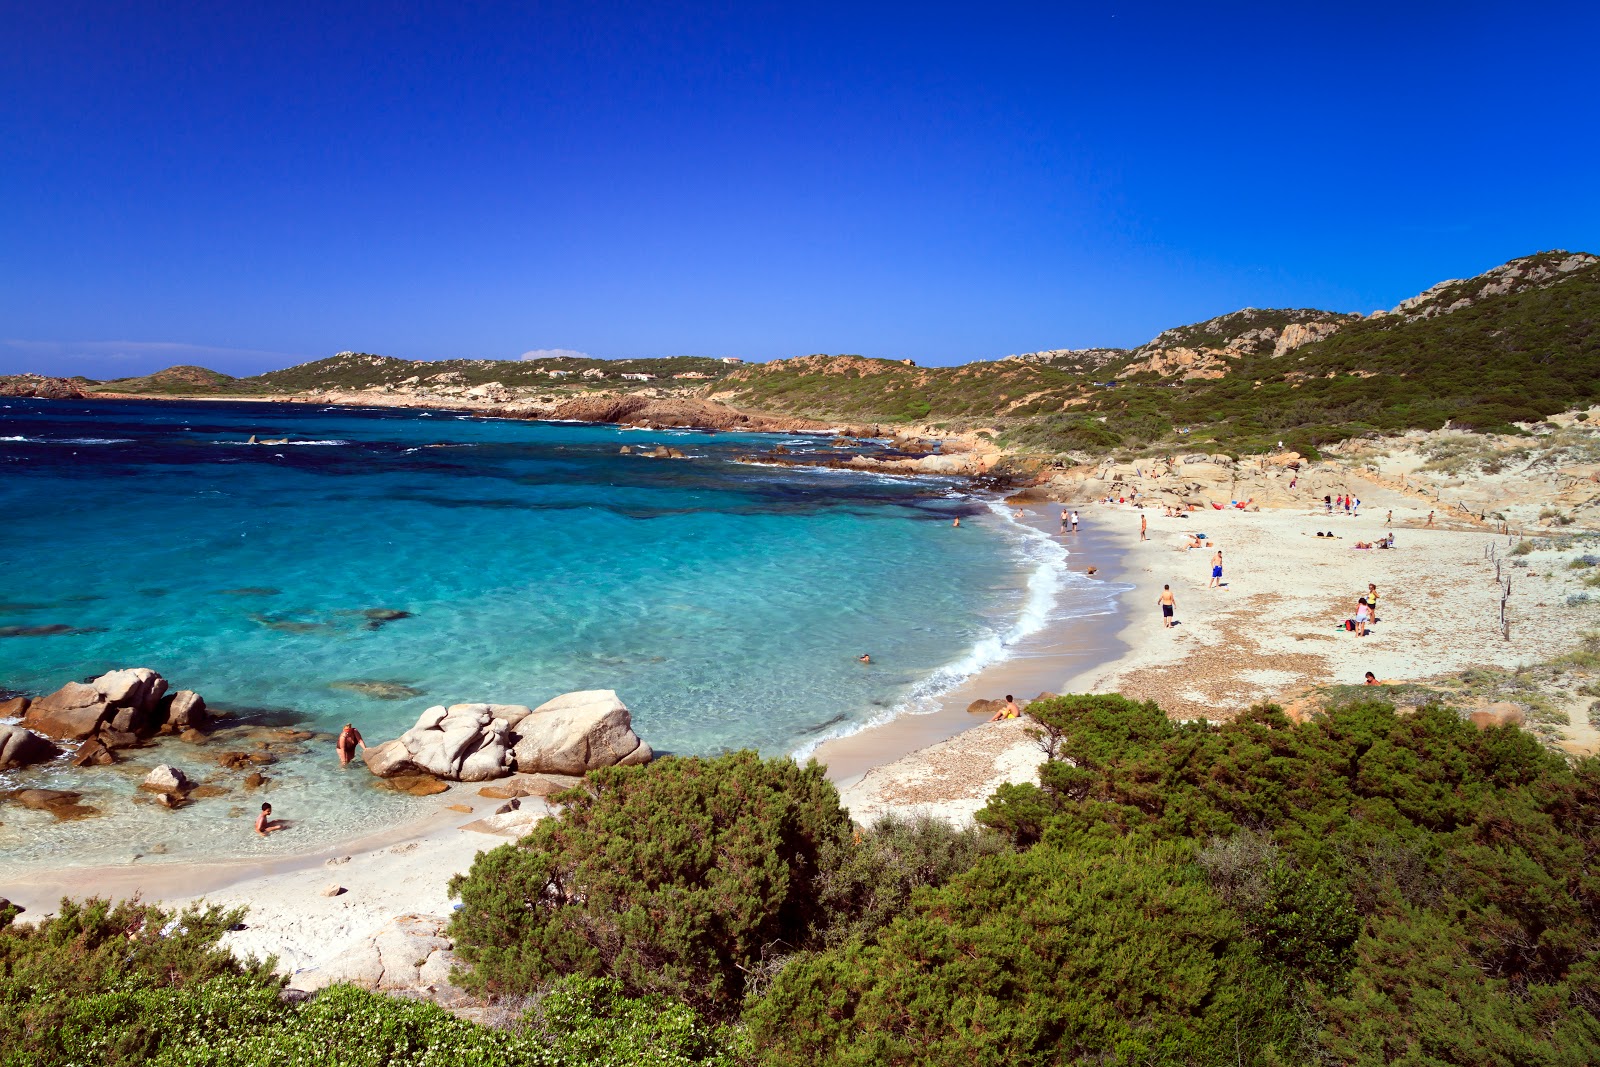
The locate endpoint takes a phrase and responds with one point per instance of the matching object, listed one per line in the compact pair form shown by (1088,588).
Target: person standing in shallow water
(349,738)
(1169,604)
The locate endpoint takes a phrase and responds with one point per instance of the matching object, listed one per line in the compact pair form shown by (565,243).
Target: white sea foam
(282,443)
(1046,561)
(71,440)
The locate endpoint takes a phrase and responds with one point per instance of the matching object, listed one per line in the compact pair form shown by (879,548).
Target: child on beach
(264,822)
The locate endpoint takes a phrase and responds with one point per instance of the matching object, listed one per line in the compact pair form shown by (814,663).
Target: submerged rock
(416,785)
(62,803)
(383,615)
(21,747)
(378,690)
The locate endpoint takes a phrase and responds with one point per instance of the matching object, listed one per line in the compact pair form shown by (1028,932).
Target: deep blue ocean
(726,603)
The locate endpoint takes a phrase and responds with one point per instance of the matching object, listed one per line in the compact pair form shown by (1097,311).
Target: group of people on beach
(349,740)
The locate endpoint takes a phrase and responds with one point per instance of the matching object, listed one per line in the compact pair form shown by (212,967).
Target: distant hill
(1512,345)
(181,380)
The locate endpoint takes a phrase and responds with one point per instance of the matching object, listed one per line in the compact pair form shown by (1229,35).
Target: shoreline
(1037,662)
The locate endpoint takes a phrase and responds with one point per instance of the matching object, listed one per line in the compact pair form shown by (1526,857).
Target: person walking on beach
(1216,569)
(349,738)
(1074,520)
(264,822)
(1430,519)
(1144,525)
(1063,521)
(1169,604)
(1387,519)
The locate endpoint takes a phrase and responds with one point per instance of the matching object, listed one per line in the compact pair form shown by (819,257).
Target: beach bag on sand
(1349,624)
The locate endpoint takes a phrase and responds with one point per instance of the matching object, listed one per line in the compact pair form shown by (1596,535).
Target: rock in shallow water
(21,747)
(165,779)
(62,803)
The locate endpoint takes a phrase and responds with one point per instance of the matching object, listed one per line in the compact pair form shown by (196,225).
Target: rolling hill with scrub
(1511,346)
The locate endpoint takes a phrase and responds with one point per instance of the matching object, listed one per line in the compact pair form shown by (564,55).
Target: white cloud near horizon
(130,358)
(554,353)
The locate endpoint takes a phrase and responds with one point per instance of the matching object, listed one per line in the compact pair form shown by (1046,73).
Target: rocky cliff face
(1206,349)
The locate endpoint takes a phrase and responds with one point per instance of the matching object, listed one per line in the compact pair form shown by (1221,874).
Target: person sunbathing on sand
(264,822)
(1010,711)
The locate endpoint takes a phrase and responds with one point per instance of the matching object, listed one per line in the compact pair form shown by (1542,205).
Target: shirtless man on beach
(1010,711)
(1144,525)
(1169,604)
(264,823)
(349,738)
(1216,570)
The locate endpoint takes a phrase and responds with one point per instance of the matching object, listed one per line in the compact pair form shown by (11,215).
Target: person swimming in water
(864,658)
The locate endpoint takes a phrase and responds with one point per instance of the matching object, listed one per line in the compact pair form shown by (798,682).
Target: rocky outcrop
(21,747)
(632,409)
(461,743)
(578,732)
(409,954)
(570,735)
(40,386)
(1297,334)
(119,709)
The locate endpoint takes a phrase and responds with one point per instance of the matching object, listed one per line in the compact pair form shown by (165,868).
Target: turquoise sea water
(725,603)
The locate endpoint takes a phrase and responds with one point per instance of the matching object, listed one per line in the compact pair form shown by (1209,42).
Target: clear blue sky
(247,186)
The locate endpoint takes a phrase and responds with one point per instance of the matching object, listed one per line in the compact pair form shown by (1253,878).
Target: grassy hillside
(1506,353)
(177,381)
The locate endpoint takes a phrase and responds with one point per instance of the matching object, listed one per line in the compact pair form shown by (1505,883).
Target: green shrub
(1115,955)
(674,878)
(865,883)
(590,1021)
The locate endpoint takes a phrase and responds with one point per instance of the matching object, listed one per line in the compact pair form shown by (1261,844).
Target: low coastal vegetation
(1370,886)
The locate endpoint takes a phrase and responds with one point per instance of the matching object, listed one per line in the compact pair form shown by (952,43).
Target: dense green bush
(674,878)
(1429,888)
(865,882)
(1112,954)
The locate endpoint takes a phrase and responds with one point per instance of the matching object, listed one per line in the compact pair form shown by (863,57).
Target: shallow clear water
(724,602)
